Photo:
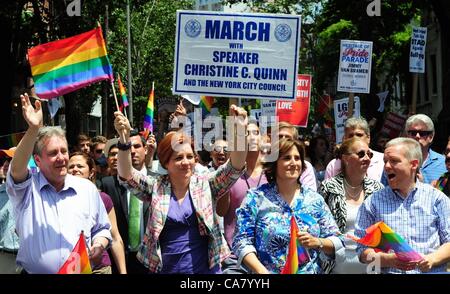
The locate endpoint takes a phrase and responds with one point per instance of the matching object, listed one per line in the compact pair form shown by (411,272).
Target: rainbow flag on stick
(297,255)
(148,118)
(78,261)
(206,104)
(122,92)
(381,237)
(63,66)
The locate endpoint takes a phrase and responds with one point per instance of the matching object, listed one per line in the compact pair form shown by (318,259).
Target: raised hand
(151,143)
(240,114)
(33,115)
(122,126)
(180,110)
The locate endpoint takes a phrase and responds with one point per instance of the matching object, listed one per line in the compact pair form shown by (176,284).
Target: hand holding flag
(78,261)
(297,255)
(381,237)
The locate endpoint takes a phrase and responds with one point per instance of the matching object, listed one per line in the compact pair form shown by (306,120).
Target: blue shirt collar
(68,182)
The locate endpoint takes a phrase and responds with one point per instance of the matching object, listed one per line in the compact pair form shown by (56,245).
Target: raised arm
(123,128)
(151,148)
(239,154)
(34,118)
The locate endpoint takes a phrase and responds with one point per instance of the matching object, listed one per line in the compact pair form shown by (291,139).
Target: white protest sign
(236,55)
(256,113)
(417,50)
(268,107)
(355,64)
(340,115)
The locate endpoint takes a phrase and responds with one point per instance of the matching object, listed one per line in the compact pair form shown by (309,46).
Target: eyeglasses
(99,151)
(447,159)
(363,153)
(413,133)
(221,148)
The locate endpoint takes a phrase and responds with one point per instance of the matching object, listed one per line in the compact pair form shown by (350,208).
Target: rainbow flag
(10,140)
(148,118)
(381,237)
(442,181)
(122,92)
(297,255)
(78,261)
(206,103)
(63,66)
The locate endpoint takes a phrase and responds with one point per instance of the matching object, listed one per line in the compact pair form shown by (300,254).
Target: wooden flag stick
(351,98)
(414,93)
(117,103)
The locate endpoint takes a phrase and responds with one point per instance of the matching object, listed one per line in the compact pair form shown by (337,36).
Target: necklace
(355,196)
(350,186)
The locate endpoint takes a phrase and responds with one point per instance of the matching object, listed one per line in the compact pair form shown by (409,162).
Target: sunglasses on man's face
(447,159)
(413,133)
(363,153)
(99,151)
(219,149)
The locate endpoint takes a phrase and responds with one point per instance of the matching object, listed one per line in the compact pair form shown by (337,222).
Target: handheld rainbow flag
(206,103)
(148,118)
(78,261)
(10,140)
(122,92)
(381,237)
(442,181)
(63,66)
(297,255)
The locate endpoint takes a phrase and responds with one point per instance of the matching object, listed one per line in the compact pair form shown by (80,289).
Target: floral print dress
(263,227)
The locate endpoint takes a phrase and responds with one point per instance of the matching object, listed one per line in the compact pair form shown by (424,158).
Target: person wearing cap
(9,241)
(52,208)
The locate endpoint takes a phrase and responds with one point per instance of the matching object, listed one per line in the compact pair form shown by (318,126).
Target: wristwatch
(321,244)
(123,146)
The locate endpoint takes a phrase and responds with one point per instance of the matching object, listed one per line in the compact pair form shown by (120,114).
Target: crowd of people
(160,207)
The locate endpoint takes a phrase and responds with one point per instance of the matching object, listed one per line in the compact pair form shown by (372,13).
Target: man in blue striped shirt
(416,211)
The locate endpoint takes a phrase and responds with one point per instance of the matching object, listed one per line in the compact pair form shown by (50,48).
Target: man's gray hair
(413,150)
(420,118)
(357,123)
(47,132)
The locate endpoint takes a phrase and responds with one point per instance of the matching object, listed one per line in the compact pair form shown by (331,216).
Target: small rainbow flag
(122,92)
(78,261)
(63,66)
(10,140)
(297,255)
(206,103)
(442,182)
(148,118)
(381,237)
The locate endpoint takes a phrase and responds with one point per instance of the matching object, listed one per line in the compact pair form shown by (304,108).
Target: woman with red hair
(182,234)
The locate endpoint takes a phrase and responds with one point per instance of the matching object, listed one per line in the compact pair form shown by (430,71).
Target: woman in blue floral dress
(263,221)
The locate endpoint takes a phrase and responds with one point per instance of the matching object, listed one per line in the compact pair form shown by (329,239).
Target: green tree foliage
(153,37)
(153,34)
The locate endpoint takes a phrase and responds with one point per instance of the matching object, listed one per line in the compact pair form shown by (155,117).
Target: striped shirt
(422,219)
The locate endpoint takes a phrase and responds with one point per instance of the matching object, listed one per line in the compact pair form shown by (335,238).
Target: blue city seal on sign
(283,32)
(192,28)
